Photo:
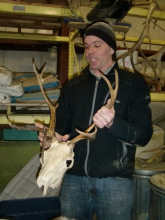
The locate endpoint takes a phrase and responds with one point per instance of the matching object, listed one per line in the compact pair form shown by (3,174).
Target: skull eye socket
(68,162)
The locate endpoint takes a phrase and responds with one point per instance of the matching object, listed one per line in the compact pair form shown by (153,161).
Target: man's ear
(112,50)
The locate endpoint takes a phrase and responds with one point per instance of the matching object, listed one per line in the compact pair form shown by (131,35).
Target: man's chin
(93,67)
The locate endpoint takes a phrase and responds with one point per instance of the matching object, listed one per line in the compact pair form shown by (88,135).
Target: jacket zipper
(90,121)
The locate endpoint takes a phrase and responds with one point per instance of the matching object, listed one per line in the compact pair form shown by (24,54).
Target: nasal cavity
(68,162)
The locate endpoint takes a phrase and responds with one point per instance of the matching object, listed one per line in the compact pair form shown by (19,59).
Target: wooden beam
(29,24)
(82,25)
(25,118)
(28,18)
(158,96)
(142,13)
(63,56)
(44,37)
(145,41)
(61,11)
(37,10)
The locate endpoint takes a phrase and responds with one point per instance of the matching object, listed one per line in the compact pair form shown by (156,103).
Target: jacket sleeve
(137,128)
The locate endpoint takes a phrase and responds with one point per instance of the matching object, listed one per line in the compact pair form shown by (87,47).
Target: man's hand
(104,116)
(59,137)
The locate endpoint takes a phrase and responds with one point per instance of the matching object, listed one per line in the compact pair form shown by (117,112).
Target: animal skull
(56,161)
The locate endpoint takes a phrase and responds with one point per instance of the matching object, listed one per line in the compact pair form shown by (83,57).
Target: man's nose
(90,50)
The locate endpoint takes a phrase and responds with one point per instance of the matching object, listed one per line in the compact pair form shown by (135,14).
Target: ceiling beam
(37,10)
(145,41)
(29,24)
(142,13)
(51,38)
(37,37)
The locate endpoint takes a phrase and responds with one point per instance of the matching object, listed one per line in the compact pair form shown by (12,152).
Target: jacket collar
(108,71)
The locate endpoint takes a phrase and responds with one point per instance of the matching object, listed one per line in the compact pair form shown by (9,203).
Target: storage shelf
(45,118)
(25,118)
(158,96)
(37,10)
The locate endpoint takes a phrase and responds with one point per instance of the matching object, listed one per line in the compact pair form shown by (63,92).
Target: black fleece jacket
(112,153)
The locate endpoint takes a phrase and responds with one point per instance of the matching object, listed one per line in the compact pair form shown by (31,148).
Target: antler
(156,59)
(137,46)
(113,93)
(41,79)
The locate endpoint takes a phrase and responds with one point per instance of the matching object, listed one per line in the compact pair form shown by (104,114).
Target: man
(100,180)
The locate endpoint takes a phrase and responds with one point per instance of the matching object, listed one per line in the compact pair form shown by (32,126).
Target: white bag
(6,76)
(5,98)
(15,89)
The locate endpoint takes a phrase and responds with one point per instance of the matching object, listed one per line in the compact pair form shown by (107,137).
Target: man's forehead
(92,39)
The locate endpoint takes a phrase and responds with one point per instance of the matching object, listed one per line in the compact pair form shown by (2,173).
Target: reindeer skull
(56,161)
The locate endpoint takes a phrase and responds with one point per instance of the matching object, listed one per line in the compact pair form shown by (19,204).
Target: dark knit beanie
(102,30)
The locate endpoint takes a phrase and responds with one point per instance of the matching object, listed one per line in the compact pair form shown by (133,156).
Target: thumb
(108,104)
(39,125)
(108,101)
(65,137)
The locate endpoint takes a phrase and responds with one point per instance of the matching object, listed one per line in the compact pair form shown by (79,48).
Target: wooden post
(63,54)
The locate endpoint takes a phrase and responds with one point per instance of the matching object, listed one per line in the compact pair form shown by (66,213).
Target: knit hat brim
(103,31)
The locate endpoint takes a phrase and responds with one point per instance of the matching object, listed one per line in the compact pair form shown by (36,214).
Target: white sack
(6,76)
(4,98)
(15,89)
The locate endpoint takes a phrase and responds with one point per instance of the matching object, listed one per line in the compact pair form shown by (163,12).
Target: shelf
(158,96)
(30,118)
(25,119)
(45,118)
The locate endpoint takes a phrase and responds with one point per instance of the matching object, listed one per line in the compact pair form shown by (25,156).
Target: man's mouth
(92,59)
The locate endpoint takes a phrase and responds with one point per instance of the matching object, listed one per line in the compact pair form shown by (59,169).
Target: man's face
(98,53)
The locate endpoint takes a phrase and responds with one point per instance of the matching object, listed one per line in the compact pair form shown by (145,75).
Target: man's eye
(86,46)
(97,45)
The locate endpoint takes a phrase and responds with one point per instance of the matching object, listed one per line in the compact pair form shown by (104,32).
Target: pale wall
(22,60)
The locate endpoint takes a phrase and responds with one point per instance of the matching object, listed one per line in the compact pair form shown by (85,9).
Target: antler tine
(42,71)
(43,144)
(36,70)
(112,91)
(41,79)
(85,134)
(46,77)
